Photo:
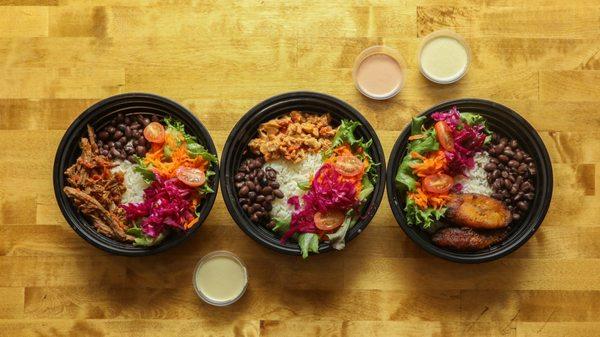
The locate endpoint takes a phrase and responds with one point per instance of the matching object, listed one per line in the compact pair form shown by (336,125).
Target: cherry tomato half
(438,183)
(348,165)
(329,220)
(444,135)
(191,176)
(154,133)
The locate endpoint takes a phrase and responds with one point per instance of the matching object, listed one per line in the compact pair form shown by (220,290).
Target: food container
(445,57)
(98,115)
(507,122)
(234,280)
(246,129)
(381,80)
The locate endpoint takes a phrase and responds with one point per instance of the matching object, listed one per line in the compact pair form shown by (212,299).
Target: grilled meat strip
(100,215)
(466,239)
(477,211)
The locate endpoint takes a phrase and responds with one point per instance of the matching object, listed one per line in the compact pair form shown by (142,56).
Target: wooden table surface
(219,58)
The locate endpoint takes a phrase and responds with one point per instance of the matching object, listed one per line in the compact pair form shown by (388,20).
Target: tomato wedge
(191,176)
(348,165)
(438,183)
(155,133)
(329,220)
(444,135)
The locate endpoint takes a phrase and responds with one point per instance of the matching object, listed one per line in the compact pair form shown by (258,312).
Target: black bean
(121,127)
(490,167)
(256,207)
(528,159)
(118,145)
(512,178)
(504,174)
(110,129)
(250,185)
(278,194)
(105,146)
(514,190)
(274,185)
(128,132)
(270,224)
(246,208)
(516,216)
(114,152)
(104,152)
(140,150)
(239,177)
(503,141)
(110,144)
(123,140)
(529,196)
(122,155)
(145,121)
(508,152)
(142,141)
(532,170)
(497,184)
(239,184)
(260,174)
(135,126)
(243,191)
(264,182)
(496,173)
(252,195)
(526,186)
(523,205)
(518,156)
(257,188)
(127,120)
(154,118)
(507,183)
(270,198)
(120,117)
(244,201)
(254,218)
(497,195)
(271,175)
(260,198)
(259,214)
(252,175)
(503,158)
(103,135)
(513,163)
(267,190)
(267,206)
(494,160)
(118,134)
(513,143)
(131,159)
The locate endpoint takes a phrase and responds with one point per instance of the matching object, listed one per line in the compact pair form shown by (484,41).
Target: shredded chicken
(96,191)
(293,136)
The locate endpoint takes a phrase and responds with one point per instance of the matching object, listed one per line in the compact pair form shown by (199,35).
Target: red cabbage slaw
(468,140)
(328,192)
(167,203)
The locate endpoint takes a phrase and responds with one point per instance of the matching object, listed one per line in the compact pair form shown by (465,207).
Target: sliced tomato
(348,165)
(191,176)
(444,135)
(155,133)
(329,220)
(438,183)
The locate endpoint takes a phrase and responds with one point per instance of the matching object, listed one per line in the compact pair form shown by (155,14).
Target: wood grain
(220,58)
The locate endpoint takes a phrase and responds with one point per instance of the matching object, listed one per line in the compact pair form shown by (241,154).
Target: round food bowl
(507,123)
(246,129)
(98,115)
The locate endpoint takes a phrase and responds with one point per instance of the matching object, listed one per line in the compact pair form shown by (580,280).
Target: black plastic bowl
(246,129)
(98,115)
(507,123)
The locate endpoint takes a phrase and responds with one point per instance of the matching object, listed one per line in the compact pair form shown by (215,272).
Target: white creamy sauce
(221,278)
(444,59)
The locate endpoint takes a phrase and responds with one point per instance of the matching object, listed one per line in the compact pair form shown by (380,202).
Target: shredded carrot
(433,163)
(346,150)
(415,137)
(179,157)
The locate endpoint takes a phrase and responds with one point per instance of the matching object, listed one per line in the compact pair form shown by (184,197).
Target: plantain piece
(477,211)
(466,239)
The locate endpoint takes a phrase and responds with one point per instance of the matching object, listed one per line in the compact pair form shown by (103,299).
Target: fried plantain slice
(477,211)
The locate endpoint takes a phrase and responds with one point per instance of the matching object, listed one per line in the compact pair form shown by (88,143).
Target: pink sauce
(379,76)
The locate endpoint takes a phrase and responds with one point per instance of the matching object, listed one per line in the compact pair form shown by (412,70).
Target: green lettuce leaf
(303,185)
(338,239)
(367,188)
(309,243)
(425,218)
(144,170)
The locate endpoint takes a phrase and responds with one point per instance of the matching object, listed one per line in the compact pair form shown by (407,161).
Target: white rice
(288,176)
(476,178)
(133,181)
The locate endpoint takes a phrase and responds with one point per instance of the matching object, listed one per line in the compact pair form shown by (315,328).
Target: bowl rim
(458,257)
(256,111)
(76,220)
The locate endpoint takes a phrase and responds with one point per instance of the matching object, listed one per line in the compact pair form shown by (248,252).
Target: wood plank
(33,21)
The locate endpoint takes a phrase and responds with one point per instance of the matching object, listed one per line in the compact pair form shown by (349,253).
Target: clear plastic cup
(450,34)
(209,257)
(391,53)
